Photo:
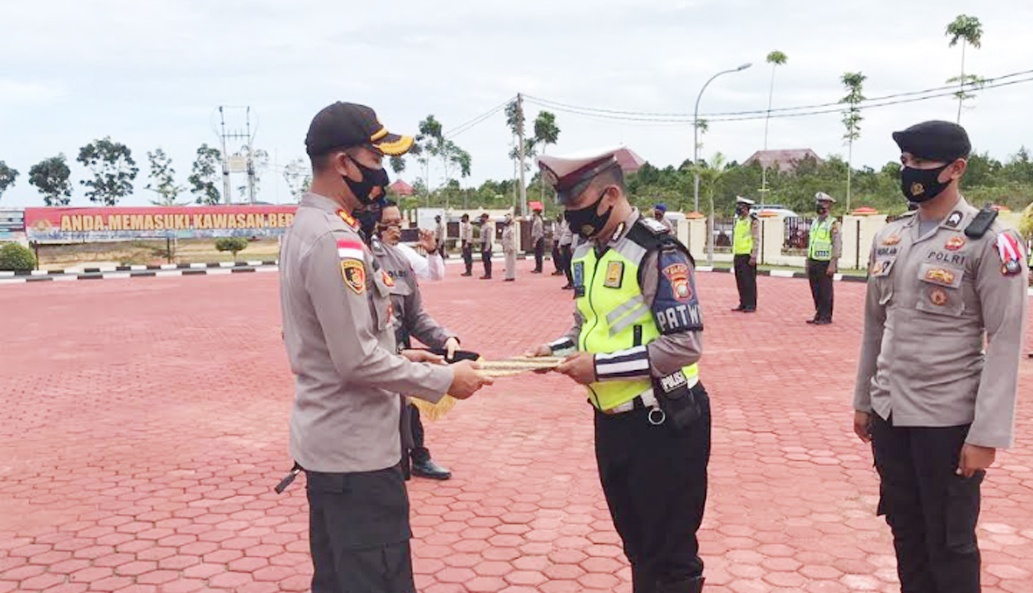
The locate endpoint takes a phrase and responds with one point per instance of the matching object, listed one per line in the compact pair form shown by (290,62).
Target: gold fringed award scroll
(505,367)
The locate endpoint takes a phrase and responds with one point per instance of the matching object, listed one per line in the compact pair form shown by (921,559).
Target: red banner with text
(158,222)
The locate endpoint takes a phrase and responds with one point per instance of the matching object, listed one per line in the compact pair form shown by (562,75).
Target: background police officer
(660,214)
(487,240)
(636,333)
(509,246)
(745,245)
(825,245)
(466,242)
(338,334)
(933,405)
(538,239)
(411,320)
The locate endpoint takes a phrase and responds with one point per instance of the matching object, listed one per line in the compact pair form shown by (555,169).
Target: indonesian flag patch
(1010,251)
(350,249)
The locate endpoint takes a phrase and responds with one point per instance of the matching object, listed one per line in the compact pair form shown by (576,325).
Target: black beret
(939,141)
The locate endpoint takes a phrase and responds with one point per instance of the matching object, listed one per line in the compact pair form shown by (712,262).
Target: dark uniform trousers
(746,281)
(486,260)
(359,532)
(468,257)
(931,511)
(655,482)
(556,261)
(821,288)
(539,253)
(567,256)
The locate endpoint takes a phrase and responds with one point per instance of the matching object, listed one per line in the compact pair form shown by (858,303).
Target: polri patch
(354,275)
(614,274)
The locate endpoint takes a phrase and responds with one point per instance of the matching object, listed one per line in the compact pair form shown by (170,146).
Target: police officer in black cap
(945,282)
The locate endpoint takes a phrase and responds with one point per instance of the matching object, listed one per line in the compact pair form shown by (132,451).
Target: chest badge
(388,280)
(955,243)
(940,275)
(891,240)
(614,274)
(938,297)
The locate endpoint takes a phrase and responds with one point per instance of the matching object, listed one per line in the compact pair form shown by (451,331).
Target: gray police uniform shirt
(668,352)
(466,233)
(566,235)
(337,327)
(509,238)
(409,314)
(931,300)
(537,229)
(487,236)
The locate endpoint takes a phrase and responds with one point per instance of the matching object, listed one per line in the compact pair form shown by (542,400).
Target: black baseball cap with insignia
(940,141)
(344,125)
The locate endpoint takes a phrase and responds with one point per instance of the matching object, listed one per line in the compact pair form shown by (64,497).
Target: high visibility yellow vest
(820,248)
(743,236)
(615,315)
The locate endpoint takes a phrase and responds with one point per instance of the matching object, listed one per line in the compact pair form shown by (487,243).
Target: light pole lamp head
(743,67)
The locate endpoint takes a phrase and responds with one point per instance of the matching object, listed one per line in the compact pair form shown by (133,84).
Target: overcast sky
(151,73)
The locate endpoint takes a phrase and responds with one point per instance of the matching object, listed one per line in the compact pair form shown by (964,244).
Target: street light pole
(695,160)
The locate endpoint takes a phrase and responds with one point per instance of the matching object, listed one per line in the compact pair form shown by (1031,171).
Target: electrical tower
(242,161)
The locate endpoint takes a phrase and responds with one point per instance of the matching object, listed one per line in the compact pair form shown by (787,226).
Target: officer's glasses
(383,226)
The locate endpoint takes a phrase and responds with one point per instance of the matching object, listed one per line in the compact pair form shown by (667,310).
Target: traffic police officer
(411,320)
(636,344)
(745,245)
(934,406)
(337,329)
(825,245)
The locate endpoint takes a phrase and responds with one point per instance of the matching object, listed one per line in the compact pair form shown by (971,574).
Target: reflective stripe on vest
(743,234)
(820,248)
(615,316)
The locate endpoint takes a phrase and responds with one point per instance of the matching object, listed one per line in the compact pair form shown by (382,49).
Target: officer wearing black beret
(945,281)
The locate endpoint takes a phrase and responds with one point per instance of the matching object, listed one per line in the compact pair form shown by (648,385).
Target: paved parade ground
(143,424)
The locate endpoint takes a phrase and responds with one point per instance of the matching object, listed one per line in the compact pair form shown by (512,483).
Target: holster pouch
(681,404)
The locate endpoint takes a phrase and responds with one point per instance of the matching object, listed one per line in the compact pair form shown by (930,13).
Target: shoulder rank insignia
(654,226)
(348,219)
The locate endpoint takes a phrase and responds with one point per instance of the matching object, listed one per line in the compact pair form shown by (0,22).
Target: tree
(969,31)
(204,178)
(397,164)
(298,177)
(852,121)
(163,179)
(113,170)
(545,133)
(51,177)
(428,145)
(7,177)
(232,244)
(709,174)
(776,59)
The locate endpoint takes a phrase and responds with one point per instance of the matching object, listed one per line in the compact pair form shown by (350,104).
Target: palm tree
(776,59)
(969,31)
(709,173)
(852,120)
(545,133)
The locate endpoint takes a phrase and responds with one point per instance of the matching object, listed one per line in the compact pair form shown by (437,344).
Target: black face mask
(821,209)
(368,215)
(372,187)
(586,222)
(922,185)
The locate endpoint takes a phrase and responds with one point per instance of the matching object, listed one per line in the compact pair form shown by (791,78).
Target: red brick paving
(144,423)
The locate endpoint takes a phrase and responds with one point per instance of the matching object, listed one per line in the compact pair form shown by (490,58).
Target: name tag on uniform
(614,274)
